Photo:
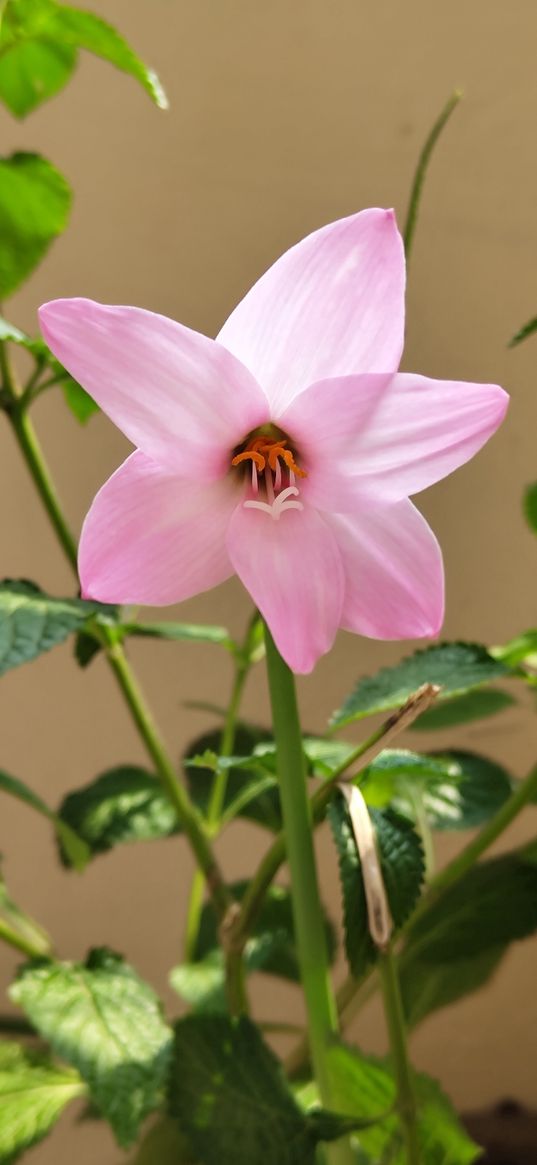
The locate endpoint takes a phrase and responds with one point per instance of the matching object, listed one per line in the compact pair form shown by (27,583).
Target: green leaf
(523,333)
(458,790)
(456,667)
(125,804)
(463,709)
(271,948)
(31,70)
(164,1144)
(39,43)
(228,1092)
(75,847)
(181,631)
(81,404)
(460,939)
(107,1023)
(264,807)
(522,649)
(35,200)
(33,1093)
(530,506)
(32,622)
(402,864)
(365,1087)
(10,334)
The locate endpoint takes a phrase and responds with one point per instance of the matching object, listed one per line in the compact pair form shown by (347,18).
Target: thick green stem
(395,1019)
(308,918)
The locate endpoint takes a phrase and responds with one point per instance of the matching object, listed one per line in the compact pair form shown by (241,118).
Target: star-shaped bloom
(284,451)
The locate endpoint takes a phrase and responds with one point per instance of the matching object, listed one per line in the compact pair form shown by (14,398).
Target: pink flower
(285,450)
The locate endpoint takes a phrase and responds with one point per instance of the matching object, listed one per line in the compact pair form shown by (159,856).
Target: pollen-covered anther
(269,456)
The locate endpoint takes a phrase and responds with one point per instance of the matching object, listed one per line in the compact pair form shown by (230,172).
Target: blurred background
(283,116)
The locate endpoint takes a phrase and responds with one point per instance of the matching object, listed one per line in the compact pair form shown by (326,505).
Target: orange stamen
(262,450)
(252,455)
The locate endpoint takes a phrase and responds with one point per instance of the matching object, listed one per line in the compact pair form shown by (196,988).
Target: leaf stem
(310,934)
(422,167)
(19,942)
(393,1010)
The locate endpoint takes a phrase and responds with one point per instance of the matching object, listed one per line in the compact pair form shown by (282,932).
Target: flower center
(270,460)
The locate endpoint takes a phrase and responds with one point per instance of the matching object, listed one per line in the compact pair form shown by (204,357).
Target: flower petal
(152,538)
(394,578)
(179,396)
(293,571)
(422,430)
(330,306)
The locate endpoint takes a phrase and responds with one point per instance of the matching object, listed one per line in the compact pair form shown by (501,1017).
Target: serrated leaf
(32,622)
(455,667)
(364,1086)
(458,790)
(271,948)
(75,847)
(530,506)
(402,863)
(454,710)
(38,50)
(33,1094)
(35,201)
(105,1021)
(460,939)
(228,1092)
(264,808)
(122,805)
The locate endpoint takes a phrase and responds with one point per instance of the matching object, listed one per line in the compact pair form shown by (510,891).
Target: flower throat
(273,469)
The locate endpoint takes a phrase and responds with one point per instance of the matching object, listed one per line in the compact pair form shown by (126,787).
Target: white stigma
(280,503)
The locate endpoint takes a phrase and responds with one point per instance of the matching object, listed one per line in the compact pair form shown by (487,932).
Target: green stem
(186,811)
(406,1100)
(422,167)
(19,942)
(215,807)
(308,919)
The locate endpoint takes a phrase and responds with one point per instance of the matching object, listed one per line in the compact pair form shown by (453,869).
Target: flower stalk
(395,1019)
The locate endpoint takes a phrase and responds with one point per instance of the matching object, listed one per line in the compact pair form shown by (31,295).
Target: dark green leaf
(86,648)
(460,939)
(38,50)
(271,948)
(124,804)
(31,70)
(33,1093)
(523,333)
(32,622)
(231,1099)
(365,1087)
(181,631)
(35,200)
(75,847)
(456,667)
(264,808)
(458,790)
(402,863)
(470,706)
(164,1144)
(107,1023)
(530,506)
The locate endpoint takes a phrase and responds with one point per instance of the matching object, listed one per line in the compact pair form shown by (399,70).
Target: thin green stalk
(308,919)
(422,167)
(186,811)
(19,942)
(395,1019)
(214,811)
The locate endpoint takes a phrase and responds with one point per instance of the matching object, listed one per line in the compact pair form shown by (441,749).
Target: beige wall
(284,115)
